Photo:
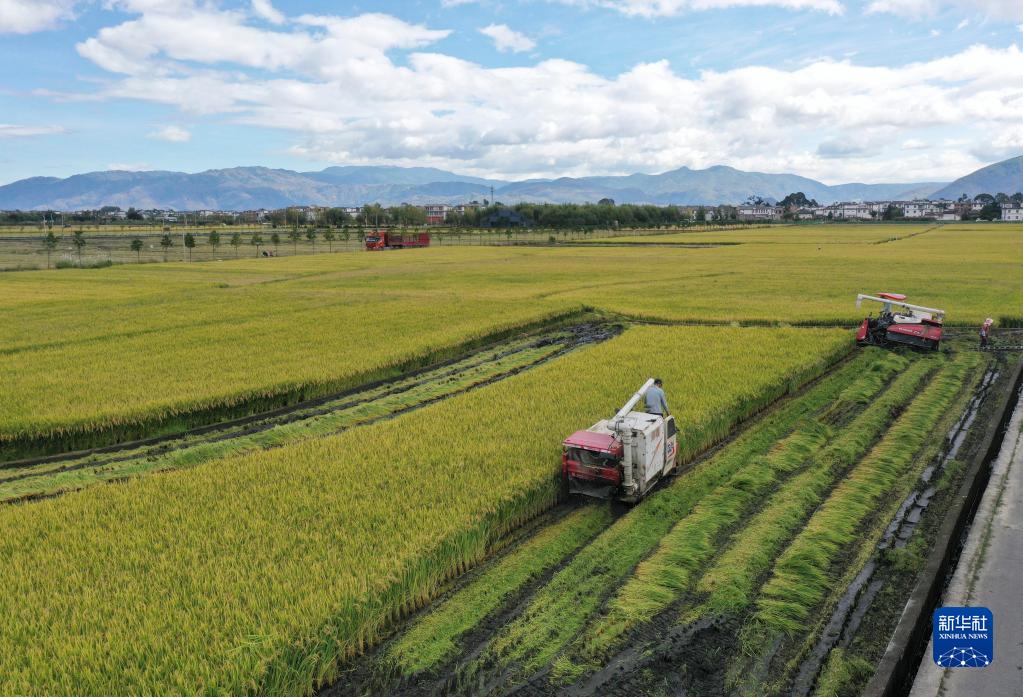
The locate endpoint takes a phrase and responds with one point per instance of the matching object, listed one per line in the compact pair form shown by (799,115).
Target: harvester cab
(622,457)
(900,323)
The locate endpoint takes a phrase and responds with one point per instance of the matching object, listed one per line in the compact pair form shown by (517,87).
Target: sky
(838,90)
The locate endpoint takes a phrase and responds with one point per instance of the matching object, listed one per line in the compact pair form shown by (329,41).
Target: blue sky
(840,90)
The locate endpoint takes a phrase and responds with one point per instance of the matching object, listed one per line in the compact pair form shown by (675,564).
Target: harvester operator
(656,402)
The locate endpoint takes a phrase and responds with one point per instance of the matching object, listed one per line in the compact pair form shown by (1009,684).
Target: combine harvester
(911,325)
(622,457)
(389,239)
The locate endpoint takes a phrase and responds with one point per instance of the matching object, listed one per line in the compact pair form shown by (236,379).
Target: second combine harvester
(900,323)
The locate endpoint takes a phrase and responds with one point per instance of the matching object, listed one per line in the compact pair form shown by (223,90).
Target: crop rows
(258,572)
(561,608)
(321,419)
(757,538)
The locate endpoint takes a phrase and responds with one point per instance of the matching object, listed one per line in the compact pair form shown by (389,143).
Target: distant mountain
(1004,177)
(685,186)
(246,188)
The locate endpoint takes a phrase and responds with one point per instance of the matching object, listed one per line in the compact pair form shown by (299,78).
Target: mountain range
(247,188)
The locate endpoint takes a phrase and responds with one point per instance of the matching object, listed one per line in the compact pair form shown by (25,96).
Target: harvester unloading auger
(900,322)
(622,457)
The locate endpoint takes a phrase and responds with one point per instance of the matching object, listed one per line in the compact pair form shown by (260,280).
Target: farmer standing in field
(985,332)
(656,402)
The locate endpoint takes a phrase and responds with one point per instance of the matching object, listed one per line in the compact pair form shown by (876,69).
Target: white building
(920,209)
(1013,213)
(758,213)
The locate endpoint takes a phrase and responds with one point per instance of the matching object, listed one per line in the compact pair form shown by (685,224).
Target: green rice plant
(433,638)
(731,581)
(802,574)
(667,573)
(840,673)
(257,573)
(561,608)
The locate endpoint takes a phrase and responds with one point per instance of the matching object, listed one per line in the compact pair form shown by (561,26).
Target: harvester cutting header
(900,322)
(622,457)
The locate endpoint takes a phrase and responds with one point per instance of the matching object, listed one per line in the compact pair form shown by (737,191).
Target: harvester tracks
(477,369)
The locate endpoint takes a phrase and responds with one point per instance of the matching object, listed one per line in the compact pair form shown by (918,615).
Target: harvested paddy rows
(54,475)
(721,581)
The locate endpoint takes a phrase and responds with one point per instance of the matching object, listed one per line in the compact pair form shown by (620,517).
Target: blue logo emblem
(964,637)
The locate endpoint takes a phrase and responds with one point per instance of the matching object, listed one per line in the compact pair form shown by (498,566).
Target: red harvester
(391,239)
(900,323)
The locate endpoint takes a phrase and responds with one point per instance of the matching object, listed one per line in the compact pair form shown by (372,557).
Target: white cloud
(173,134)
(919,9)
(10,130)
(662,8)
(333,83)
(507,39)
(963,24)
(264,9)
(27,16)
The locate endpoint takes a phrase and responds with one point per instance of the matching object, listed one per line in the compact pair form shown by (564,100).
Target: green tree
(189,244)
(213,240)
(256,241)
(49,244)
(294,235)
(136,246)
(133,214)
(991,211)
(236,242)
(310,234)
(78,240)
(328,235)
(892,212)
(275,239)
(166,242)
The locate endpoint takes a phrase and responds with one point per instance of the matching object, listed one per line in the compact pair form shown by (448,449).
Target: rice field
(419,541)
(236,575)
(93,356)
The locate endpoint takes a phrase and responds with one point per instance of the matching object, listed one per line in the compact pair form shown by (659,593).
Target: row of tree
(213,239)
